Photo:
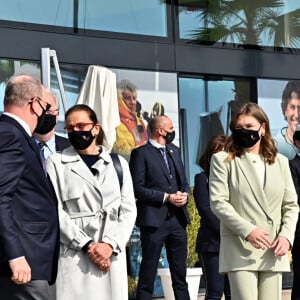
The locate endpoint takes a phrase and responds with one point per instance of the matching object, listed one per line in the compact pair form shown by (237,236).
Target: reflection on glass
(256,23)
(72,77)
(145,17)
(209,105)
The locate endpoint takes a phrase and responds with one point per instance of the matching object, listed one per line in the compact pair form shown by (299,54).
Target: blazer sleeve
(144,182)
(12,168)
(201,196)
(220,197)
(290,208)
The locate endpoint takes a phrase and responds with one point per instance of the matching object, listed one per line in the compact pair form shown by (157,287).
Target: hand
(100,254)
(104,265)
(21,271)
(178,199)
(281,246)
(259,239)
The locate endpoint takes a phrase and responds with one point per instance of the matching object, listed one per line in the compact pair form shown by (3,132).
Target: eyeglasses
(48,105)
(79,126)
(53,112)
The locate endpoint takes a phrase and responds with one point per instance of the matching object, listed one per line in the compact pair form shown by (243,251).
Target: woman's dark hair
(214,145)
(92,116)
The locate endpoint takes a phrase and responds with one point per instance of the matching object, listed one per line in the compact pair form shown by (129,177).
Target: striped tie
(164,154)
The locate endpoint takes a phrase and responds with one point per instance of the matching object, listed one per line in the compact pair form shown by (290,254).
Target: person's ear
(96,129)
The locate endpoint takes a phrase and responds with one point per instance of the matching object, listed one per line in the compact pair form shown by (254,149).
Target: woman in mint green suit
(253,195)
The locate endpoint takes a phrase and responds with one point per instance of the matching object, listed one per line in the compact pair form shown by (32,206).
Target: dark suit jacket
(295,170)
(151,181)
(28,205)
(208,239)
(61,143)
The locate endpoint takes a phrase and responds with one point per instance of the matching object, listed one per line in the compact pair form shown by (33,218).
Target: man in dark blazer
(49,141)
(29,235)
(295,170)
(162,191)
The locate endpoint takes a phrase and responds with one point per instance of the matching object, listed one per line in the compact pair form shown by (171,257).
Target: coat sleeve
(119,235)
(71,235)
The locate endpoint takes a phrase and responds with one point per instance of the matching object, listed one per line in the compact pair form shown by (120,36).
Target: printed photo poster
(156,94)
(283,111)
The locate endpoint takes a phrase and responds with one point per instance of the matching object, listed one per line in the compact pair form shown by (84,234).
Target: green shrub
(192,231)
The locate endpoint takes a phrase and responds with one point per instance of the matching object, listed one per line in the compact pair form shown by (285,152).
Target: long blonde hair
(267,146)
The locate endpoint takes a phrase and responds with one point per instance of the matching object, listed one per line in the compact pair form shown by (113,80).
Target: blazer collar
(259,192)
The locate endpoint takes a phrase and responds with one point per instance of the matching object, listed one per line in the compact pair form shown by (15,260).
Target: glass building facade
(200,58)
(217,50)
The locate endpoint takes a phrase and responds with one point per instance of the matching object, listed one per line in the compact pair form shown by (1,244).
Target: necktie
(41,146)
(164,154)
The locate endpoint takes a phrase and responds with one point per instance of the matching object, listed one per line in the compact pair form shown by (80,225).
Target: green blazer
(242,204)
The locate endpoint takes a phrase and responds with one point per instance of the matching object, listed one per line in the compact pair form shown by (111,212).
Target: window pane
(241,22)
(145,17)
(280,99)
(209,106)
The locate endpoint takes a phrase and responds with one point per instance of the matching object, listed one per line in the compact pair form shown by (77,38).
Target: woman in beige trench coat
(96,217)
(252,193)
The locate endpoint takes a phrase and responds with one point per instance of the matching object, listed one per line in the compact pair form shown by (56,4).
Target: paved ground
(286,295)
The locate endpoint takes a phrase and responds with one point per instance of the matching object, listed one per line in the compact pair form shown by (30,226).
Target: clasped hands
(99,254)
(178,199)
(260,240)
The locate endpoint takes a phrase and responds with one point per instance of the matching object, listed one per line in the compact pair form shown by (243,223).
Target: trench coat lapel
(247,170)
(79,167)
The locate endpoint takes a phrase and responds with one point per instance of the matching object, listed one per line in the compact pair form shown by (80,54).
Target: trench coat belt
(97,217)
(101,215)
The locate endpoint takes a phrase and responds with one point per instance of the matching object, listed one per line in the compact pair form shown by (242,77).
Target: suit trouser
(173,234)
(253,285)
(33,290)
(296,269)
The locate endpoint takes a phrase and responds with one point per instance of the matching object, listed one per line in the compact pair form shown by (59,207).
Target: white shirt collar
(156,144)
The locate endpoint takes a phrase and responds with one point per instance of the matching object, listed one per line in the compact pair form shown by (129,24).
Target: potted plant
(193,274)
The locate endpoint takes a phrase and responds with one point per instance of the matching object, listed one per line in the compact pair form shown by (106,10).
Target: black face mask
(169,137)
(42,119)
(49,121)
(81,139)
(245,138)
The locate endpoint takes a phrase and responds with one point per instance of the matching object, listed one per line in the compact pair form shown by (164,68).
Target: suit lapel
(177,163)
(158,157)
(246,167)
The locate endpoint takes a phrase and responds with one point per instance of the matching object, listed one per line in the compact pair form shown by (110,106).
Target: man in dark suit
(295,170)
(162,191)
(47,139)
(29,235)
